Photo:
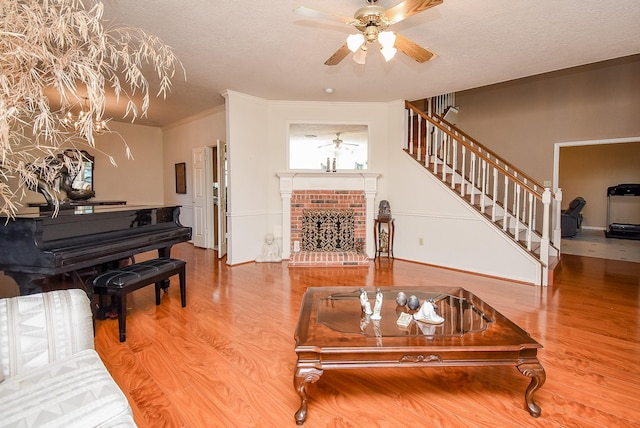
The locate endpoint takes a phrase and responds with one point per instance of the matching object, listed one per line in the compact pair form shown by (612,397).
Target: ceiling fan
(338,142)
(372,22)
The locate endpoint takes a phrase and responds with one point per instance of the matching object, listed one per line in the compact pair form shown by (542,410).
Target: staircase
(515,204)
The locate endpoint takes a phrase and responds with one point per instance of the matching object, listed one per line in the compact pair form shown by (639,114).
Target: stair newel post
(505,204)
(557,214)
(534,208)
(544,241)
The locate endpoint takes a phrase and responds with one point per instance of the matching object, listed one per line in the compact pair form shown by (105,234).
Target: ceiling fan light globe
(388,53)
(354,41)
(387,39)
(360,57)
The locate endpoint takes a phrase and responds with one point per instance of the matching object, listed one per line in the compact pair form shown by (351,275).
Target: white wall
(137,181)
(179,139)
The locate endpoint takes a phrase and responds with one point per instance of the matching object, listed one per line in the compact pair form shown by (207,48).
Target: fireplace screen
(327,230)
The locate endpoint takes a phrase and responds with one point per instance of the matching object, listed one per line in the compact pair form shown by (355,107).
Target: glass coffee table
(333,332)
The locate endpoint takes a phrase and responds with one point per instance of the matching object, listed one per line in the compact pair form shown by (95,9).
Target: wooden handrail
(483,147)
(478,152)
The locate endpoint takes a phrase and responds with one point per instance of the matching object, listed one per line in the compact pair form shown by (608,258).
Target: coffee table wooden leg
(302,378)
(537,374)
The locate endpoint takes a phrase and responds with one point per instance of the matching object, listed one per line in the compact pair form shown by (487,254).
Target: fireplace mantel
(291,181)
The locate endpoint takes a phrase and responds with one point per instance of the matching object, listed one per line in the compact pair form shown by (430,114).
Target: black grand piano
(38,245)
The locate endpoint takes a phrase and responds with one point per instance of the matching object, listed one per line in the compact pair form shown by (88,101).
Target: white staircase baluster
(472,194)
(483,188)
(419,154)
(516,230)
(463,172)
(445,151)
(530,225)
(505,204)
(411,120)
(495,195)
(454,164)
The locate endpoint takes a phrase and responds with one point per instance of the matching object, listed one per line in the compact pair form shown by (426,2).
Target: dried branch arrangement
(67,46)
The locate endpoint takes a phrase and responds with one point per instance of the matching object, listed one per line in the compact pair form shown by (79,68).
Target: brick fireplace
(342,195)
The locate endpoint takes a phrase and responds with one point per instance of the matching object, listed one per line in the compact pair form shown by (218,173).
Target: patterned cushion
(38,329)
(73,392)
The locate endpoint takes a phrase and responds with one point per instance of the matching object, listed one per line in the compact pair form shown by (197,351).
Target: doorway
(587,169)
(210,197)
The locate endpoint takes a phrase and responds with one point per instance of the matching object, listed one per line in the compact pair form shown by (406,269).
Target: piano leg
(27,282)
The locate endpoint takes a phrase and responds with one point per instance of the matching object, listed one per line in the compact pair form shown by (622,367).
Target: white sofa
(51,375)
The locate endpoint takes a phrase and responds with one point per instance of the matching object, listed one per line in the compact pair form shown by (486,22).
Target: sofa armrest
(38,329)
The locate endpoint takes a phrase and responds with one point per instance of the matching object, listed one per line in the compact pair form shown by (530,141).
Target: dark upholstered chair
(571,219)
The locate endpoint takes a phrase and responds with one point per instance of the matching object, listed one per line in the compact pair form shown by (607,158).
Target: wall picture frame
(181,177)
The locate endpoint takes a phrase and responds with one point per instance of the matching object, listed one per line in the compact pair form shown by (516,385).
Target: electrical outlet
(420,241)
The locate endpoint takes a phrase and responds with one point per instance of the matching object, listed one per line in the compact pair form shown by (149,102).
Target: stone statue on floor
(270,250)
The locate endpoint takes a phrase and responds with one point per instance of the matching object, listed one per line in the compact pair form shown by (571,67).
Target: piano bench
(121,281)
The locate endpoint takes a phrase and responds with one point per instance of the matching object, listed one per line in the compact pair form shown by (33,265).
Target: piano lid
(34,212)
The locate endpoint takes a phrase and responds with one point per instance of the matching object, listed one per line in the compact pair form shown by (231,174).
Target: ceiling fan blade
(315,13)
(338,56)
(412,49)
(409,8)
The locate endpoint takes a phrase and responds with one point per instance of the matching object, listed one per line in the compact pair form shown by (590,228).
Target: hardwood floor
(227,359)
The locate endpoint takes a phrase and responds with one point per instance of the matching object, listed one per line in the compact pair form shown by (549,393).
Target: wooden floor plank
(227,359)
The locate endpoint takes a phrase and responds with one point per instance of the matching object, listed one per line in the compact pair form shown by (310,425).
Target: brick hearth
(320,258)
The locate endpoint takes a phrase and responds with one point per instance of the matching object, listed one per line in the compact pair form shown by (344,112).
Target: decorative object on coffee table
(401,299)
(413,303)
(427,314)
(377,308)
(364,302)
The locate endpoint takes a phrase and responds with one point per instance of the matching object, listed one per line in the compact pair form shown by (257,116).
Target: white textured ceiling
(261,48)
